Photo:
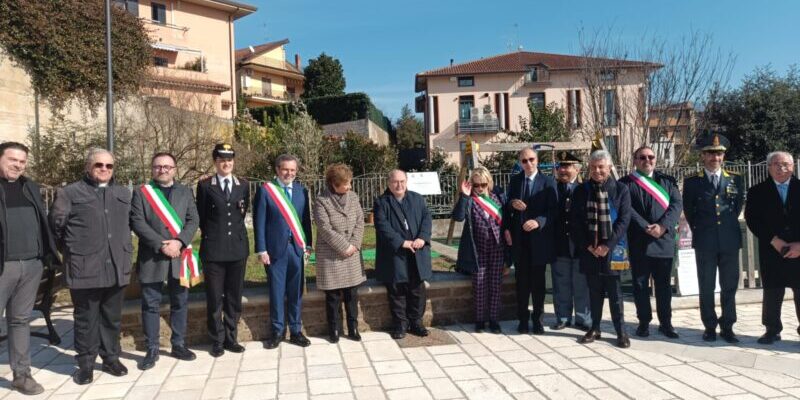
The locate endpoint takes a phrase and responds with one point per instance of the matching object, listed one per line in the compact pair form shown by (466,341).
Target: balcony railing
(485,125)
(539,76)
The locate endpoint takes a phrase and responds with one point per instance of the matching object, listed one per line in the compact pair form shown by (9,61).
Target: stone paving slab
(472,366)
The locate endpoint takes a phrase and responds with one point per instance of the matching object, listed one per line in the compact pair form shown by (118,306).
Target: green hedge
(329,110)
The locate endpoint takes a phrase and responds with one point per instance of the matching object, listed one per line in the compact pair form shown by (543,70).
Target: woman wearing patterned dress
(481,249)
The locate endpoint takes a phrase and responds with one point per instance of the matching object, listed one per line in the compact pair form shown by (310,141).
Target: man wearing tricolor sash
(656,206)
(164,217)
(282,231)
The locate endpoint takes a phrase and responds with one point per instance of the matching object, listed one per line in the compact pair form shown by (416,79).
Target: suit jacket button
(229,214)
(229,204)
(229,233)
(229,224)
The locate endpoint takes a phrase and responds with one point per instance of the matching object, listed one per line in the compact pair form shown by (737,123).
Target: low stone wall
(449,301)
(363,127)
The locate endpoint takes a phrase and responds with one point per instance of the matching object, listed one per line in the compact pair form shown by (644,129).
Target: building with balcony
(264,76)
(485,98)
(672,129)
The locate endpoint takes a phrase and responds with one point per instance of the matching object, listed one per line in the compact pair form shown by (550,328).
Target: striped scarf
(598,213)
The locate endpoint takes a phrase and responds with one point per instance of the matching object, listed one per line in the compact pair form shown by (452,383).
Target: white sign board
(687,262)
(424,183)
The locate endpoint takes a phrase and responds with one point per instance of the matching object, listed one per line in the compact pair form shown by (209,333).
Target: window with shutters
(610,111)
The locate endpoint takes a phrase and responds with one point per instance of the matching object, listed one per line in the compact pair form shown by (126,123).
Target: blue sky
(383,44)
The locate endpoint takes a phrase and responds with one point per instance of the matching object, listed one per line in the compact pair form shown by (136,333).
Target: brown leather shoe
(589,337)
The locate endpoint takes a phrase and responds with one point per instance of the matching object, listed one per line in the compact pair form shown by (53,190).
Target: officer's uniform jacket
(222,220)
(713,214)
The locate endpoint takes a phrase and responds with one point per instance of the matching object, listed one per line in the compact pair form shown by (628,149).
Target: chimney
(297,61)
(451,62)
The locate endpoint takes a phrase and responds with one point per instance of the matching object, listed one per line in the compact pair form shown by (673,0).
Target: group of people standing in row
(591,230)
(588,231)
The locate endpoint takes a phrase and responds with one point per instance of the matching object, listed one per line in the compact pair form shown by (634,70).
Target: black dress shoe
(182,353)
(728,336)
(115,368)
(273,342)
(333,335)
(149,360)
(83,376)
(233,347)
(216,350)
(643,330)
(582,327)
(769,338)
(523,327)
(494,327)
(398,334)
(354,336)
(558,326)
(480,326)
(537,328)
(710,335)
(419,330)
(299,339)
(668,331)
(623,341)
(589,337)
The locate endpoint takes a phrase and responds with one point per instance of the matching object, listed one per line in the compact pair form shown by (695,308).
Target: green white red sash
(652,188)
(288,212)
(487,204)
(190,272)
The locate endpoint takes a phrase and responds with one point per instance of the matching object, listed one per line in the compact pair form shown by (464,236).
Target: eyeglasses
(782,165)
(480,185)
(647,157)
(528,160)
(163,167)
(99,165)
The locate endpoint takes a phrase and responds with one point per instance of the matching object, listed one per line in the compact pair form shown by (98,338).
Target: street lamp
(110,80)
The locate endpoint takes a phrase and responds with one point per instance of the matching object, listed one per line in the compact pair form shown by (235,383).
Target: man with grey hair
(90,221)
(26,248)
(772,213)
(600,218)
(403,253)
(282,232)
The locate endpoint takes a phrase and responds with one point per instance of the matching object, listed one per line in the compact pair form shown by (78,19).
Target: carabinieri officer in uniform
(712,202)
(222,202)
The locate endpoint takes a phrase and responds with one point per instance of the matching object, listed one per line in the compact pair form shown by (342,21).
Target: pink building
(193,51)
(484,98)
(264,76)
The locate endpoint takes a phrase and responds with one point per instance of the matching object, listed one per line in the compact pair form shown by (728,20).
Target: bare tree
(656,99)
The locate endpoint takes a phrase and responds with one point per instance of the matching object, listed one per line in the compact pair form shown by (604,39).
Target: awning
(173,48)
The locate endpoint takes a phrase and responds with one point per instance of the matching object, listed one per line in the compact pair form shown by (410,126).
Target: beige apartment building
(485,98)
(265,77)
(193,64)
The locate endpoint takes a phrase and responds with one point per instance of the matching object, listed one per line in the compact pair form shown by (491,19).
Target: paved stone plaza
(479,366)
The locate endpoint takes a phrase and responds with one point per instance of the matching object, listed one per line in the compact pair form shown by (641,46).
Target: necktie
(715,181)
(226,188)
(783,190)
(526,191)
(288,192)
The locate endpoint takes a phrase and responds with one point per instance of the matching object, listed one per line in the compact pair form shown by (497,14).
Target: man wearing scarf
(602,211)
(656,206)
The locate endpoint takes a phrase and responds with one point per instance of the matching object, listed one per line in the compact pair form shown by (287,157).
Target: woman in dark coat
(600,216)
(481,249)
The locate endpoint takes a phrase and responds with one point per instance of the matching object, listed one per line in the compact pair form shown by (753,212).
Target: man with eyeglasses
(164,217)
(26,249)
(90,221)
(531,211)
(712,202)
(773,215)
(656,206)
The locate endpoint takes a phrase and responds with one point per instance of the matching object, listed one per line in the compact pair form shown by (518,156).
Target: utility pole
(110,80)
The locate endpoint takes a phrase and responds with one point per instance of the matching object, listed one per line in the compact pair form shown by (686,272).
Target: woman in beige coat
(340,230)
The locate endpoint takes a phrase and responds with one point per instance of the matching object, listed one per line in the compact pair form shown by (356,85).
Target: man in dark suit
(222,203)
(656,207)
(600,217)
(712,202)
(163,249)
(528,229)
(90,221)
(773,215)
(403,253)
(26,248)
(570,293)
(282,230)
